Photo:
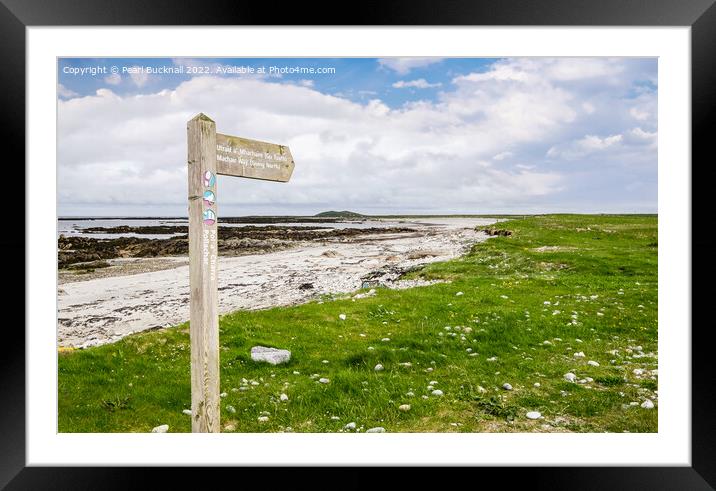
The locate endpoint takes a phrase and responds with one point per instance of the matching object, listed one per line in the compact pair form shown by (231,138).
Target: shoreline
(107,307)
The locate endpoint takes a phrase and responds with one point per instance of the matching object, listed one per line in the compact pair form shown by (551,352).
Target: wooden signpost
(211,154)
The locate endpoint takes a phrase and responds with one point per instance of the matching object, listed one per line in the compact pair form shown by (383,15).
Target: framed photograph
(468,230)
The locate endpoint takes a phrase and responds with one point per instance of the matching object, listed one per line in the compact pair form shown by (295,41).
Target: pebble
(160,429)
(325,361)
(433,382)
(570,377)
(283,397)
(335,418)
(187,412)
(579,354)
(230,427)
(481,389)
(370,348)
(425,397)
(223,394)
(593,363)
(430,387)
(377,429)
(437,392)
(429,369)
(231,409)
(494,358)
(404,407)
(342,317)
(507,386)
(263,419)
(378,367)
(350,426)
(385,340)
(537,384)
(323,380)
(547,343)
(410,394)
(534,415)
(647,404)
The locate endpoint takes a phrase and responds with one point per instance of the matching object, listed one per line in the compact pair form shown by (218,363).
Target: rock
(593,363)
(270,355)
(187,412)
(433,382)
(283,397)
(350,426)
(385,340)
(481,389)
(492,358)
(570,377)
(231,409)
(547,343)
(223,394)
(537,384)
(377,429)
(579,354)
(378,367)
(335,418)
(437,392)
(410,394)
(458,294)
(160,429)
(263,419)
(404,407)
(323,380)
(647,404)
(430,387)
(230,427)
(534,415)
(507,386)
(342,317)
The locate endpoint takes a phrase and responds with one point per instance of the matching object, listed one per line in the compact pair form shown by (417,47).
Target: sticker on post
(209,217)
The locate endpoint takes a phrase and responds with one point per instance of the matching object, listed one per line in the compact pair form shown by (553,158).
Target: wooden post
(203,256)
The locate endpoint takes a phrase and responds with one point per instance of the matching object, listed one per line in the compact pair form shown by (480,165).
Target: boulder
(273,356)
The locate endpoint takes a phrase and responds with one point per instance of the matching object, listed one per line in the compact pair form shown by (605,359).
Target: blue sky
(393,135)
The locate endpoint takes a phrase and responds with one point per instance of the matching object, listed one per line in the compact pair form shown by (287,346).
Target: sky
(375,136)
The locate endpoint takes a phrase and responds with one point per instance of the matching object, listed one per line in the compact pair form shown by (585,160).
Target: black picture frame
(16,15)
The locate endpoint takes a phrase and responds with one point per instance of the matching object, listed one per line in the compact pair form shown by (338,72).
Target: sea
(76,226)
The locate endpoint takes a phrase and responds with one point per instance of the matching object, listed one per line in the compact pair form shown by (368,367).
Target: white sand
(103,310)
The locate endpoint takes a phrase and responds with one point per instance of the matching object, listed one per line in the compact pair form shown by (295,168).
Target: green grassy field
(514,310)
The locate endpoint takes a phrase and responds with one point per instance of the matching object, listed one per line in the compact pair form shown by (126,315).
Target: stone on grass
(283,397)
(231,409)
(404,407)
(507,386)
(160,429)
(187,412)
(537,384)
(378,367)
(579,354)
(323,380)
(342,317)
(593,363)
(534,415)
(270,355)
(437,392)
(377,429)
(458,294)
(350,426)
(570,377)
(263,419)
(647,404)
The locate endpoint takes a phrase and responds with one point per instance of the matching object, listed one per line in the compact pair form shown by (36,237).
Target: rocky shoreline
(151,293)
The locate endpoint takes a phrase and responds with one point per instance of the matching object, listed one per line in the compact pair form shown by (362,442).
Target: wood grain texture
(241,157)
(203,257)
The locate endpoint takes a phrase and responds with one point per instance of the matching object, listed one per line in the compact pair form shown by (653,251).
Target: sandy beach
(151,293)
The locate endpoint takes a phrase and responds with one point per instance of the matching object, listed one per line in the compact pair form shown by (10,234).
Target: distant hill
(339,214)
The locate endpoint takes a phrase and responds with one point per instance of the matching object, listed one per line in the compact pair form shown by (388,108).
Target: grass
(583,283)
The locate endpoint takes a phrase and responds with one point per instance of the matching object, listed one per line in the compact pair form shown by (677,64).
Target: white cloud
(420,83)
(402,66)
(432,156)
(63,91)
(113,79)
(139,77)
